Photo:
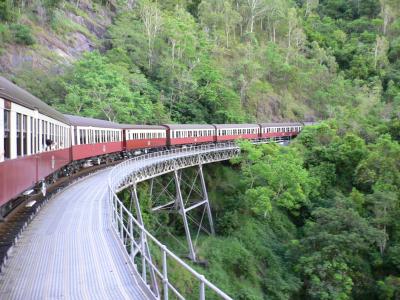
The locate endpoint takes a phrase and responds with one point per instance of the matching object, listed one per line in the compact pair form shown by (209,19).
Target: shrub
(5,35)
(6,10)
(22,34)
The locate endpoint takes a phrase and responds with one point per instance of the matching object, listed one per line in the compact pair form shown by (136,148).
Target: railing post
(144,275)
(165,272)
(145,247)
(202,295)
(122,223)
(131,237)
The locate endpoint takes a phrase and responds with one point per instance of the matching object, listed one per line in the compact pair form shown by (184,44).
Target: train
(38,144)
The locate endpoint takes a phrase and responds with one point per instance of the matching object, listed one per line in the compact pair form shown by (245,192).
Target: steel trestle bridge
(128,174)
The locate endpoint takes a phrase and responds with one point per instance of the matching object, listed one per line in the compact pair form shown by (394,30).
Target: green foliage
(97,88)
(261,167)
(22,34)
(7,12)
(335,243)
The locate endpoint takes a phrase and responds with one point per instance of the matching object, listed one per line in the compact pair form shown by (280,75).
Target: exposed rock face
(52,49)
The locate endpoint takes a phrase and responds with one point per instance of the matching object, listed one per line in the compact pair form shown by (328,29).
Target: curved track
(70,251)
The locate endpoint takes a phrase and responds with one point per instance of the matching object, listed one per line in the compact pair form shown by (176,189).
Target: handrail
(117,178)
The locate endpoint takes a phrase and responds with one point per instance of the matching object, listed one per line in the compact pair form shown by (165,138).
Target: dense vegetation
(216,61)
(316,220)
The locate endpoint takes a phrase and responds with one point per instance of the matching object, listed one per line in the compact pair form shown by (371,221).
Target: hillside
(205,61)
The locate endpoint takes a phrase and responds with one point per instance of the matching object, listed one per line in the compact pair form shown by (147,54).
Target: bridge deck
(69,251)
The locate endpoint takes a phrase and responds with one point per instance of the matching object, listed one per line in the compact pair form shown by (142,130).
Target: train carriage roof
(280,124)
(91,122)
(223,126)
(189,126)
(144,127)
(9,91)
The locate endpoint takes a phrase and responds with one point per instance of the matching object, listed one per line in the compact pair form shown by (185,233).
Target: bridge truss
(130,229)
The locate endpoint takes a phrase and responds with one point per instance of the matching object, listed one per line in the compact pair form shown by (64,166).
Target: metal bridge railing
(131,230)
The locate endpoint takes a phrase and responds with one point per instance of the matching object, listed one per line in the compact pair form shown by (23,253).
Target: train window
(37,136)
(57,136)
(31,146)
(76,136)
(44,130)
(18,141)
(6,134)
(64,141)
(25,134)
(51,133)
(81,142)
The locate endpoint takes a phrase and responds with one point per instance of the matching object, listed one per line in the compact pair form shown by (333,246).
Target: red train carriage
(229,132)
(274,130)
(144,136)
(34,141)
(93,137)
(178,134)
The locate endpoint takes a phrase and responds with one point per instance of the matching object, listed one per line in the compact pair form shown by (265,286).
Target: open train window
(31,133)
(19,136)
(75,136)
(44,133)
(6,134)
(25,134)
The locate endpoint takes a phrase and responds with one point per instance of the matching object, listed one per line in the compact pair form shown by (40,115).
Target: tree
(217,15)
(275,14)
(380,52)
(381,166)
(96,88)
(295,35)
(151,17)
(255,10)
(383,204)
(275,177)
(332,251)
(310,5)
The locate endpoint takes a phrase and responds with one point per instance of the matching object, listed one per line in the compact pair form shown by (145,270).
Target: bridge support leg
(145,251)
(182,210)
(207,203)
